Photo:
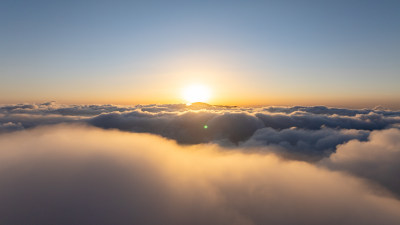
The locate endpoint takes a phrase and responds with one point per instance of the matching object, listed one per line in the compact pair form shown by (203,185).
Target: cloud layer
(75,174)
(314,131)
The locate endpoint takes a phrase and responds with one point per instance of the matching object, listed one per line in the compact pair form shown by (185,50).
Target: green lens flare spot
(205,126)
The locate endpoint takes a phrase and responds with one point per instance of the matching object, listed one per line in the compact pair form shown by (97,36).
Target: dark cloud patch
(10,126)
(84,175)
(26,121)
(377,159)
(317,143)
(330,110)
(234,126)
(370,121)
(187,128)
(64,110)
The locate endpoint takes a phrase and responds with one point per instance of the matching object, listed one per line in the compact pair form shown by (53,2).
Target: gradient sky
(339,53)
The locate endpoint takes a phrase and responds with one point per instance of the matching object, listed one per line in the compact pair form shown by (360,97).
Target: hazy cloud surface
(75,174)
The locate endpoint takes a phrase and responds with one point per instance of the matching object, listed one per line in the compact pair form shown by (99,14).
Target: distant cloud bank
(159,164)
(310,130)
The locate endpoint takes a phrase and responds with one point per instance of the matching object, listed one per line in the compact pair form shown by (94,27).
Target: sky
(335,53)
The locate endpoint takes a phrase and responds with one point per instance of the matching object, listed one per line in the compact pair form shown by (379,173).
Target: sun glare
(196,93)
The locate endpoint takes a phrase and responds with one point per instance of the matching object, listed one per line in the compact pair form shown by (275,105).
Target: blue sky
(256,52)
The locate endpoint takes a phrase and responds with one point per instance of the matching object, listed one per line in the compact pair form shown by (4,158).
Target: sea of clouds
(157,164)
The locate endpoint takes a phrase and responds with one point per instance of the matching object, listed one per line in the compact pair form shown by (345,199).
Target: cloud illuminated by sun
(196,93)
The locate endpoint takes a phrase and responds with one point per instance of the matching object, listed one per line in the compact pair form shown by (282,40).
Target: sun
(196,93)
